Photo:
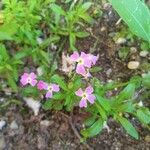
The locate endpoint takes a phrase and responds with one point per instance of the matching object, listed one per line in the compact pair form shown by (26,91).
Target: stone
(143,53)
(14,125)
(133,65)
(2,124)
(121,41)
(133,50)
(33,104)
(46,123)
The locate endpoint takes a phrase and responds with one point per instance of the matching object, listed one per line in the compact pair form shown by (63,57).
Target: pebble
(39,40)
(133,50)
(46,123)
(2,142)
(33,104)
(143,53)
(14,125)
(2,124)
(133,64)
(147,138)
(121,41)
(40,71)
(108,72)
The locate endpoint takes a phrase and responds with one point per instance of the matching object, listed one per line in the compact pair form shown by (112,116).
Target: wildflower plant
(90,94)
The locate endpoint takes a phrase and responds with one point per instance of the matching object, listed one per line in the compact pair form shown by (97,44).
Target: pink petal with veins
(89,90)
(74,56)
(83,103)
(55,87)
(79,92)
(91,98)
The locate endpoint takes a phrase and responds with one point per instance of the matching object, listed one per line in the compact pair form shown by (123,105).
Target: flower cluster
(41,85)
(84,62)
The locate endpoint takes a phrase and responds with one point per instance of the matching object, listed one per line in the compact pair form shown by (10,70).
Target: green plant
(136,14)
(71,22)
(9,67)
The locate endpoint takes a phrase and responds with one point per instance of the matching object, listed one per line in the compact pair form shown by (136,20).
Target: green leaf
(136,14)
(146,80)
(57,79)
(94,129)
(12,82)
(5,36)
(103,102)
(128,127)
(3,52)
(72,40)
(90,120)
(59,96)
(82,34)
(23,53)
(28,91)
(57,9)
(143,117)
(95,69)
(47,105)
(86,6)
(127,93)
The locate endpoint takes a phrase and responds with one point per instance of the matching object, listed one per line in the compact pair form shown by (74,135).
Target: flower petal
(33,82)
(89,90)
(49,94)
(79,92)
(74,56)
(32,75)
(85,57)
(55,87)
(91,98)
(80,69)
(24,81)
(93,59)
(83,103)
(41,85)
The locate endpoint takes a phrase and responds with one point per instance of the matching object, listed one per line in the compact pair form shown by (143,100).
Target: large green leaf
(136,14)
(94,129)
(143,116)
(128,127)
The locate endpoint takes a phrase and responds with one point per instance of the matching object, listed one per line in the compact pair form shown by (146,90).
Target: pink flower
(86,96)
(28,79)
(50,89)
(93,59)
(85,61)
(41,85)
(82,60)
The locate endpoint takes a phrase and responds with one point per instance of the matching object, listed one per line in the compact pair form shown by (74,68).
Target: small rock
(121,41)
(2,142)
(46,123)
(53,46)
(133,64)
(143,53)
(40,71)
(14,125)
(2,124)
(147,138)
(108,72)
(140,104)
(133,50)
(103,29)
(39,40)
(33,104)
